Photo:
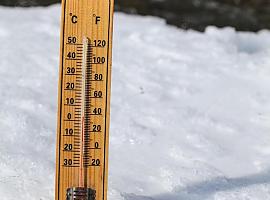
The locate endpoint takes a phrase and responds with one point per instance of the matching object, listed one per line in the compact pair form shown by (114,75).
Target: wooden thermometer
(84,100)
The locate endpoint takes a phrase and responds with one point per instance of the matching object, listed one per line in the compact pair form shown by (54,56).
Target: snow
(190,111)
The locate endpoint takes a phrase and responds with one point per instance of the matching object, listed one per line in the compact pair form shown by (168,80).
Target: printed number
(71,55)
(96,128)
(98,77)
(97,111)
(69,116)
(100,43)
(71,70)
(72,40)
(96,145)
(70,86)
(98,94)
(99,60)
(95,162)
(68,147)
(68,162)
(69,131)
(70,101)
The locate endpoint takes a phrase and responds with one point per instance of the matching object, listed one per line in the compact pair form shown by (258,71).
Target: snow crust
(190,111)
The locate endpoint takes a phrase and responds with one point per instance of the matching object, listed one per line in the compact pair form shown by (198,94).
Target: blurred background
(244,15)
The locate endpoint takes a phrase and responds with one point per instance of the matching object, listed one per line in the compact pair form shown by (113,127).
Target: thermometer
(84,100)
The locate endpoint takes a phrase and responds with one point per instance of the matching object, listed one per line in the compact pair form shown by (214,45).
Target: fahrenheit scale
(84,100)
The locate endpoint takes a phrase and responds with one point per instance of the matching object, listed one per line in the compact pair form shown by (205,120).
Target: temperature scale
(84,100)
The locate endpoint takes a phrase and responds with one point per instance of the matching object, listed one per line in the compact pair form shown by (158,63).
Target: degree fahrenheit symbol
(98,19)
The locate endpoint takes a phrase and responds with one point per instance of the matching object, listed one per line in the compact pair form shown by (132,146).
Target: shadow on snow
(203,190)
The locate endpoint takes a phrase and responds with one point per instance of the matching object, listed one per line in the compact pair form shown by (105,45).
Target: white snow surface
(190,111)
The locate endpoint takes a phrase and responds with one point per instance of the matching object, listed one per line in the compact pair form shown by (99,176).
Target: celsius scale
(84,100)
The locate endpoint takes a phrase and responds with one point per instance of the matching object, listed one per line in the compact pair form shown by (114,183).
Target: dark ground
(245,15)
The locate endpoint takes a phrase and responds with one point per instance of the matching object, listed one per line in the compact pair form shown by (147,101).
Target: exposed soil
(245,15)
